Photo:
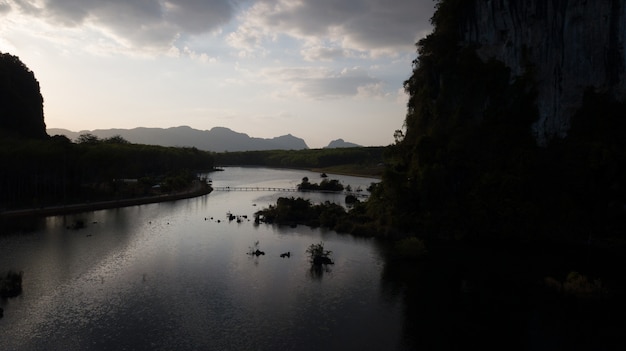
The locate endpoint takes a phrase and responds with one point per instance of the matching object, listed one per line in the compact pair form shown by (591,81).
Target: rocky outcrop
(21,103)
(567,46)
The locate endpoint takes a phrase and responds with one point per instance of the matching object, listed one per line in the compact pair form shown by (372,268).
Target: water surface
(177,275)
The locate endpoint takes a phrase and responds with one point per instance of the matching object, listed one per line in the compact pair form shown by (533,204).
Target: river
(177,276)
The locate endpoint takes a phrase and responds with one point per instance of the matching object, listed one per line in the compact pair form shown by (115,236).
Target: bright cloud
(377,26)
(324,53)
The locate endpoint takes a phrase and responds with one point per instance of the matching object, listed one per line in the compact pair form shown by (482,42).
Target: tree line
(367,160)
(54,170)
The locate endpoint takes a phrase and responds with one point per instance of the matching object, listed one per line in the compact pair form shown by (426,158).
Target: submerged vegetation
(255,250)
(10,284)
(318,255)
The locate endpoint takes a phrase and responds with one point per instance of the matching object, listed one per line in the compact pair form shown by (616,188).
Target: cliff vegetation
(468,165)
(521,236)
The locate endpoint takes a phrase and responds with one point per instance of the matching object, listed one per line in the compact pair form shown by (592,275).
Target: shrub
(318,255)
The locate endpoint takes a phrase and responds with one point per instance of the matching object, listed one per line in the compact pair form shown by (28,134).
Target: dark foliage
(21,103)
(55,171)
(324,185)
(467,166)
(293,211)
(318,255)
(289,211)
(525,244)
(366,159)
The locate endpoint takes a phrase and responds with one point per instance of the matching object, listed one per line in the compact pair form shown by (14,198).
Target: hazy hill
(340,143)
(218,139)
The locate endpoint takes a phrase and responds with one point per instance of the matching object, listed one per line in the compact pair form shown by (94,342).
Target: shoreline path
(196,190)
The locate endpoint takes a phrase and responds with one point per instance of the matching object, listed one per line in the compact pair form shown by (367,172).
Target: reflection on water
(176,276)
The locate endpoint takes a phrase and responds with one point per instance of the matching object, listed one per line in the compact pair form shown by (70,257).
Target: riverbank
(102,205)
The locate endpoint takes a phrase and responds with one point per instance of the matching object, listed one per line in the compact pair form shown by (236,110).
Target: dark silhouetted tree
(116,139)
(87,138)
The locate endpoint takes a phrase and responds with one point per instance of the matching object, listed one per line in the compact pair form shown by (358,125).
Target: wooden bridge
(260,188)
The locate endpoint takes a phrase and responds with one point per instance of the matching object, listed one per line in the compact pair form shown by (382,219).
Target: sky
(317,69)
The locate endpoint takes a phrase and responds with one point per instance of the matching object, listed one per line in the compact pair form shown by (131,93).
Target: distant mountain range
(218,139)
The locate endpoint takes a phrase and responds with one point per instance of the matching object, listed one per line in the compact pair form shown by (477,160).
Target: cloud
(5,7)
(369,91)
(402,97)
(327,29)
(323,83)
(375,26)
(323,53)
(202,57)
(199,16)
(248,40)
(136,23)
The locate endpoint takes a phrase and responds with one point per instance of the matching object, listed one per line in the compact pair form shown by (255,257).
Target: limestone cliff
(570,45)
(21,103)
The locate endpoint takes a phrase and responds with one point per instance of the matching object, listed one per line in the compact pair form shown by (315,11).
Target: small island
(325,185)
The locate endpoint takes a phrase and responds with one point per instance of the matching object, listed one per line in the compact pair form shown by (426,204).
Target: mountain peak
(339,143)
(218,139)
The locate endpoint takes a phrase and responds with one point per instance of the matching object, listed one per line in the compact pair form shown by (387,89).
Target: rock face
(570,46)
(21,103)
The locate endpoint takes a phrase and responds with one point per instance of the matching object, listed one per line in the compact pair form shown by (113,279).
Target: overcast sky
(317,69)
